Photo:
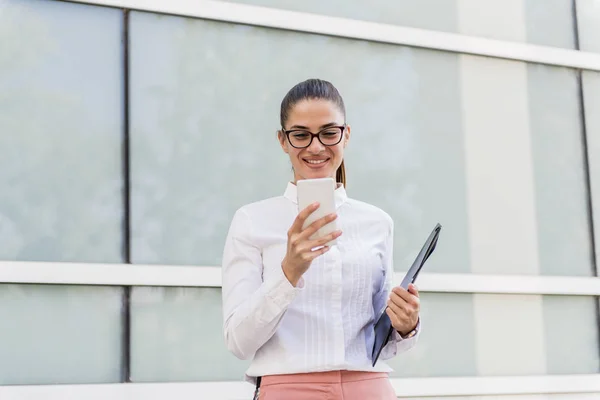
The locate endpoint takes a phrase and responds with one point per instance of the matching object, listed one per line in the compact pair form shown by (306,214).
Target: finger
(408,298)
(324,240)
(398,303)
(301,217)
(404,294)
(399,310)
(411,305)
(315,226)
(412,288)
(393,318)
(316,253)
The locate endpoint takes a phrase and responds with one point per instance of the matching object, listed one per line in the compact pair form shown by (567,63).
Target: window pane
(548,22)
(396,12)
(559,172)
(525,171)
(60,145)
(490,148)
(580,356)
(503,335)
(591,94)
(446,346)
(61,124)
(59,334)
(542,22)
(192,166)
(588,22)
(177,335)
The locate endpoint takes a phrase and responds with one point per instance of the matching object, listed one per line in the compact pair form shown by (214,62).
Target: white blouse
(326,322)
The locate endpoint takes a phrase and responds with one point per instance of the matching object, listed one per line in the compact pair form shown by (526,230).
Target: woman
(302,312)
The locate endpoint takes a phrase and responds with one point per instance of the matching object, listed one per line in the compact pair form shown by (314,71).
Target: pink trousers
(334,385)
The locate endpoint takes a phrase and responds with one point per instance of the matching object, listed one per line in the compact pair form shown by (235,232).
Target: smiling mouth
(315,163)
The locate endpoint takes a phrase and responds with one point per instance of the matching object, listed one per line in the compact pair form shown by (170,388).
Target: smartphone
(318,190)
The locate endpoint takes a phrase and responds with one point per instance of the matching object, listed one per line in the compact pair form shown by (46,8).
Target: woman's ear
(346,135)
(282,141)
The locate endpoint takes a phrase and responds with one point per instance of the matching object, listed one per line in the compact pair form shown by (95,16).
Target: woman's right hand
(300,247)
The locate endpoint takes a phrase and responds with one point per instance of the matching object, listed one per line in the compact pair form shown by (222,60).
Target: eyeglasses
(301,138)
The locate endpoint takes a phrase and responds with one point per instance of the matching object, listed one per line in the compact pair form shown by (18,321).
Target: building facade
(130,132)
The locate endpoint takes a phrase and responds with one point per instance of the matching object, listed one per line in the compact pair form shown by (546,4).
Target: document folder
(383,326)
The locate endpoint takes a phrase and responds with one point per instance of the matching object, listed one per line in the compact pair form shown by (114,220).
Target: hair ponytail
(340,175)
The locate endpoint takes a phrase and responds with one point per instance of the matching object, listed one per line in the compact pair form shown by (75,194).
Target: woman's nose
(316,146)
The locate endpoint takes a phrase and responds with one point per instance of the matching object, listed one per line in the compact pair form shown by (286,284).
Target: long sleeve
(396,343)
(252,309)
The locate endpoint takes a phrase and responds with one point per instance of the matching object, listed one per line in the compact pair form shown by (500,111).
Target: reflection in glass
(60,184)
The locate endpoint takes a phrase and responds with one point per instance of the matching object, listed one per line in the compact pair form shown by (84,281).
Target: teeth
(315,161)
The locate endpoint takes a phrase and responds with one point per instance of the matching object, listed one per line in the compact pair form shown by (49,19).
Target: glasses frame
(313,135)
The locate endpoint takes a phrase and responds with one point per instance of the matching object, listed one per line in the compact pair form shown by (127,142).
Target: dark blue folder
(383,326)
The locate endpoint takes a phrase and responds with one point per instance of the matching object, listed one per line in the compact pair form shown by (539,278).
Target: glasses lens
(300,138)
(331,136)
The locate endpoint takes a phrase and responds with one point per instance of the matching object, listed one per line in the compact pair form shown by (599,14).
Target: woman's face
(316,160)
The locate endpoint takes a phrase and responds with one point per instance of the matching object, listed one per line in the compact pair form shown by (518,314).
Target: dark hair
(314,89)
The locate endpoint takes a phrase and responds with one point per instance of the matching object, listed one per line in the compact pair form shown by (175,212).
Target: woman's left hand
(403,309)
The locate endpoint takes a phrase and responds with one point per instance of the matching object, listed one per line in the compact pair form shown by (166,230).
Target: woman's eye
(300,136)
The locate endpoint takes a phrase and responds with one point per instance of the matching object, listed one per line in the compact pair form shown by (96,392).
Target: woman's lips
(315,162)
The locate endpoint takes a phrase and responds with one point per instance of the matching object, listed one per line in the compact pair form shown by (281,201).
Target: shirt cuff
(410,335)
(398,344)
(280,292)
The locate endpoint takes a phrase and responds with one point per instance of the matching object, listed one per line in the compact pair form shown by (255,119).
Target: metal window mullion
(126,302)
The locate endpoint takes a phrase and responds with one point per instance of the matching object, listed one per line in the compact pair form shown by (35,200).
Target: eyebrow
(322,126)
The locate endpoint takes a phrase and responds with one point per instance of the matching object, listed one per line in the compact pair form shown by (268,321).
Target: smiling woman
(301,310)
(319,103)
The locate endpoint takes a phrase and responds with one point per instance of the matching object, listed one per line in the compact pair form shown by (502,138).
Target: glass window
(177,335)
(559,172)
(456,120)
(396,12)
(55,334)
(468,134)
(591,95)
(447,344)
(204,143)
(525,170)
(176,331)
(581,355)
(502,335)
(588,23)
(61,123)
(548,22)
(541,22)
(60,144)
